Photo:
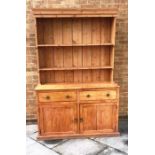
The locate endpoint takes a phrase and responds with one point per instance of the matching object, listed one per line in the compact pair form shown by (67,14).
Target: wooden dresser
(76,94)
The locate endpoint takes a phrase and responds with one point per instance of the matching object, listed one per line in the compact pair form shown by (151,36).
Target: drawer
(56,96)
(98,95)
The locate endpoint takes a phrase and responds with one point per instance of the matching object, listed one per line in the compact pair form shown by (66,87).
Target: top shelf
(81,12)
(64,45)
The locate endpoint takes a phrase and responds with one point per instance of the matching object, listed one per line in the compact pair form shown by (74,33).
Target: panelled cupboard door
(59,119)
(100,117)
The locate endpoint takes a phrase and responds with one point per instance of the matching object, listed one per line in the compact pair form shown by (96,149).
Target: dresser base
(50,137)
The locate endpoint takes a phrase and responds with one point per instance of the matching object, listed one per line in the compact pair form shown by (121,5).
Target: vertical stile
(113,31)
(36,48)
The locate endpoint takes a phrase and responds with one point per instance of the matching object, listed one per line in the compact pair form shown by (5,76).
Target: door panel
(88,116)
(59,119)
(106,117)
(98,117)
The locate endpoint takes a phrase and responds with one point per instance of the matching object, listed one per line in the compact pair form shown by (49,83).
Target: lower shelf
(50,137)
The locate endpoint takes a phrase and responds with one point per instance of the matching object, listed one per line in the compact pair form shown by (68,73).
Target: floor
(86,146)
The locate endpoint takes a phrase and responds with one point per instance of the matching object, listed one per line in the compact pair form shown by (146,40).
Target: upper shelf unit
(75,45)
(75,31)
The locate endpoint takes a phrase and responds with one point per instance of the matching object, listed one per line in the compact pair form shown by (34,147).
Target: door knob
(81,120)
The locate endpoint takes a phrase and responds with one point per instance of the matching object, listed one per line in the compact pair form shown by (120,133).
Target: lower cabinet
(98,117)
(77,113)
(58,119)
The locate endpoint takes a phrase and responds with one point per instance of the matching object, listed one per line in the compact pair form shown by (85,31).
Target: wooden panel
(41,58)
(77,31)
(48,31)
(77,62)
(96,61)
(42,78)
(57,31)
(96,75)
(105,30)
(98,95)
(87,123)
(58,62)
(47,77)
(54,121)
(59,76)
(77,56)
(57,96)
(95,56)
(40,28)
(67,31)
(69,76)
(78,76)
(86,33)
(68,57)
(58,57)
(86,56)
(86,76)
(96,32)
(105,56)
(46,57)
(106,117)
(105,75)
(68,62)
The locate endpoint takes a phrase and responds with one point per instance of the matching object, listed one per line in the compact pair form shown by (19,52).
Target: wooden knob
(88,95)
(108,94)
(81,119)
(47,97)
(67,96)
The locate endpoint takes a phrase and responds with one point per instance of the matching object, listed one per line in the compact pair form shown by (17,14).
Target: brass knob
(81,119)
(88,95)
(108,94)
(67,96)
(47,97)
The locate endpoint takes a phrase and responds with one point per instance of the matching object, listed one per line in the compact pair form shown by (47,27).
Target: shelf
(73,68)
(64,45)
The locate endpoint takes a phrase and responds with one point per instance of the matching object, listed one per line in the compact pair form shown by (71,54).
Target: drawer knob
(47,97)
(67,96)
(108,94)
(88,95)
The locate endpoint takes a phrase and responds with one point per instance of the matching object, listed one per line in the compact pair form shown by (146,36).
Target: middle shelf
(75,68)
(70,45)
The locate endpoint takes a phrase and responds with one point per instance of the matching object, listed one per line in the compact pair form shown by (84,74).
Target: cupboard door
(106,117)
(59,119)
(97,117)
(88,118)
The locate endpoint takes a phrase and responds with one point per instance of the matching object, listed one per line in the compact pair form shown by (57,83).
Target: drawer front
(98,95)
(57,96)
